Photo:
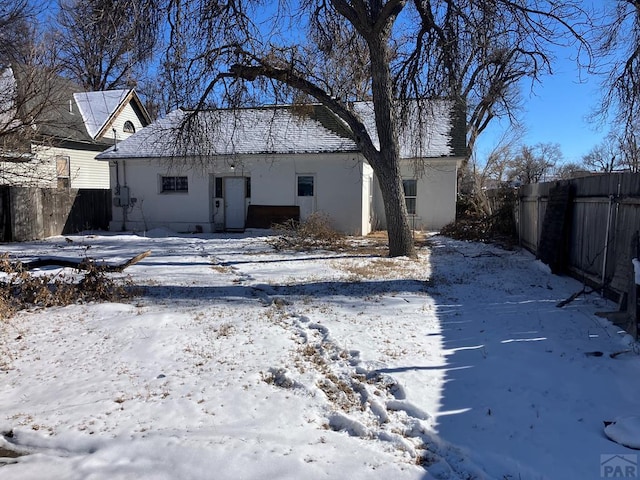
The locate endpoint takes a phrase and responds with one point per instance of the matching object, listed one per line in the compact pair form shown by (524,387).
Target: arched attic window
(129,127)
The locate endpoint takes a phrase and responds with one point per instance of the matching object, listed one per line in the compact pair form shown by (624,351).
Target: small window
(63,171)
(174,184)
(63,166)
(247,189)
(410,194)
(305,186)
(219,190)
(129,127)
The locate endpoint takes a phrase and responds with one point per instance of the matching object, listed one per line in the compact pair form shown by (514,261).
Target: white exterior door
(306,194)
(234,203)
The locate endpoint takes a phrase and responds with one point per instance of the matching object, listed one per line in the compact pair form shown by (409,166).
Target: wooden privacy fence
(28,213)
(584,226)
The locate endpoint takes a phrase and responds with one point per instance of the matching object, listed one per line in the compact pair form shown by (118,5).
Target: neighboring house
(58,129)
(226,170)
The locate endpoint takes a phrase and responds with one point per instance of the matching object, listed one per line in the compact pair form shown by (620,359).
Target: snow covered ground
(242,362)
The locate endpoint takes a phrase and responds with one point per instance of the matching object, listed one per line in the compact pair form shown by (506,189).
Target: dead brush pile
(314,233)
(478,221)
(21,289)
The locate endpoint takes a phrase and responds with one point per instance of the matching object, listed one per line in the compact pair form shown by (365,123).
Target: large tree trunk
(399,231)
(386,163)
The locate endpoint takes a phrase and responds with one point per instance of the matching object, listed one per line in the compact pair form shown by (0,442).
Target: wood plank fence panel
(606,213)
(588,235)
(627,223)
(35,213)
(5,214)
(553,244)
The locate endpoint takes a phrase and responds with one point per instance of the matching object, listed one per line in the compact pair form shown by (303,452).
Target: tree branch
(251,73)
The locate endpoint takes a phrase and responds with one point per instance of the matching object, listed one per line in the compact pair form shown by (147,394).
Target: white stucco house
(67,128)
(236,169)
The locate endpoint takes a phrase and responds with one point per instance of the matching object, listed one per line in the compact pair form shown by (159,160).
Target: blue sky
(556,112)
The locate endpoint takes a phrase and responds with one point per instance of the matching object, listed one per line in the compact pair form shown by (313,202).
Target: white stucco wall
(436,193)
(338,190)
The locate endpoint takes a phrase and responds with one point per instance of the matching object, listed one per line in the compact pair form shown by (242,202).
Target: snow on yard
(238,361)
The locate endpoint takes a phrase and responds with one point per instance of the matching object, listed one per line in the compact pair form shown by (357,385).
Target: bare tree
(394,53)
(618,151)
(533,163)
(28,94)
(15,30)
(104,43)
(480,53)
(619,51)
(570,170)
(629,145)
(482,175)
(498,161)
(605,156)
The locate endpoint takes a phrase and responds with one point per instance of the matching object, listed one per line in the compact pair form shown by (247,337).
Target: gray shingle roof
(272,130)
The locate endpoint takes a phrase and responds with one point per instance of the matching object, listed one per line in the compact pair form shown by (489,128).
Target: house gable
(102,110)
(64,124)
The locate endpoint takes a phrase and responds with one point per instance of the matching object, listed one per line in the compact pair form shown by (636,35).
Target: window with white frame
(410,194)
(174,184)
(305,186)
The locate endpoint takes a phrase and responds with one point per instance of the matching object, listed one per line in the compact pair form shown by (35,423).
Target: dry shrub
(21,289)
(495,223)
(316,232)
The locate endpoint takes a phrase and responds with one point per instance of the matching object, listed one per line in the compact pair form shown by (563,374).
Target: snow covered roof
(269,130)
(97,107)
(428,128)
(8,89)
(52,103)
(274,130)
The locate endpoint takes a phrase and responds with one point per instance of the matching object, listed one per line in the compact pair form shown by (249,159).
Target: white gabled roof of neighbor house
(272,130)
(97,108)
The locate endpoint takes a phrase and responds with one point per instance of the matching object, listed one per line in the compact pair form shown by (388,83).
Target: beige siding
(85,170)
(37,173)
(127,114)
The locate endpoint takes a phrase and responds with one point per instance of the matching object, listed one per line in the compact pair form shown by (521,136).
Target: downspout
(124,207)
(124,178)
(538,228)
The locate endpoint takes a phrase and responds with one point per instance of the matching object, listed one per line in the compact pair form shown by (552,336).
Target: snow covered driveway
(242,362)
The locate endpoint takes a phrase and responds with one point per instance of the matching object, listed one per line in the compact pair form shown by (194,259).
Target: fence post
(606,244)
(632,297)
